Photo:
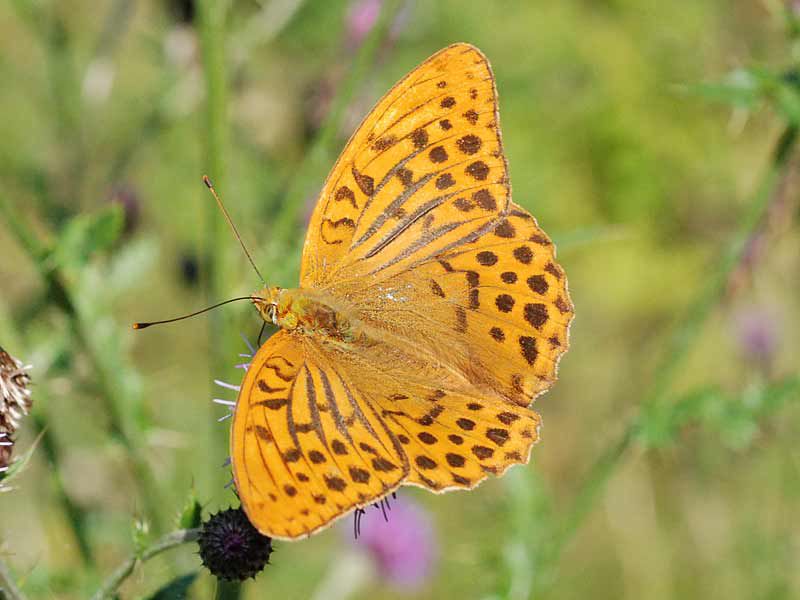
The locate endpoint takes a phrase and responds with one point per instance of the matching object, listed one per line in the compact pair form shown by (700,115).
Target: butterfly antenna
(194,314)
(210,186)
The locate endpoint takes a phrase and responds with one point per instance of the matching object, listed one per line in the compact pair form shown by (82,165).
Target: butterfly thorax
(308,312)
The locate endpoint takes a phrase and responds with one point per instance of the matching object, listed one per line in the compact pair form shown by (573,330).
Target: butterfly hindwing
(305,447)
(451,435)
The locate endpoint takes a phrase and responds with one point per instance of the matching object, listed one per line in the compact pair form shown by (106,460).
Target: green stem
(319,157)
(75,514)
(212,15)
(171,540)
(227,590)
(677,349)
(29,242)
(8,587)
(691,325)
(52,34)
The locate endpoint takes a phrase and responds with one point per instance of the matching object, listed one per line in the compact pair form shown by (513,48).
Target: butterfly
(430,313)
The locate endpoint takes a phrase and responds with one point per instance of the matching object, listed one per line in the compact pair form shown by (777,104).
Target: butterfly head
(266,301)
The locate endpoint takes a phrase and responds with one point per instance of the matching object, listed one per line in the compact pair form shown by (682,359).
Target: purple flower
(361,19)
(757,334)
(128,199)
(403,548)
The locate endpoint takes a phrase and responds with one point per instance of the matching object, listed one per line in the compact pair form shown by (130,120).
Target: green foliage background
(653,140)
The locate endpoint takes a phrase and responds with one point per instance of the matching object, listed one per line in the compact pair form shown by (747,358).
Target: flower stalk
(121,573)
(8,587)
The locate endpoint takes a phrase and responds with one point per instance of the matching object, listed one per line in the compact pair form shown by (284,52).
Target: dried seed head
(15,401)
(6,446)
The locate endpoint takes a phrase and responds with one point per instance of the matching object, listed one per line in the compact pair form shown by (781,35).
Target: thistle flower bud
(231,548)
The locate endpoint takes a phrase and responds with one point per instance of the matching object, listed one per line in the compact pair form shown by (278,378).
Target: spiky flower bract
(231,548)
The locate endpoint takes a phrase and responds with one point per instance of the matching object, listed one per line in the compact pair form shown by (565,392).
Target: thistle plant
(15,403)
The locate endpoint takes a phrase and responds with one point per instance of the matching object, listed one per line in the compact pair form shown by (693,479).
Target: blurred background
(654,141)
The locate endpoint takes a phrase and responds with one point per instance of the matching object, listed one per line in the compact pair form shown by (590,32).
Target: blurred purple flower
(404,548)
(127,197)
(361,18)
(757,334)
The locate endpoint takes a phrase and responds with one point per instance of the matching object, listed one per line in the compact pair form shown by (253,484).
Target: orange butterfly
(431,312)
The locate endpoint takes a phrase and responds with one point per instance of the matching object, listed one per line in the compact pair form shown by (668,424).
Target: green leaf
(742,88)
(659,426)
(746,88)
(176,589)
(141,535)
(191,513)
(735,417)
(86,235)
(787,102)
(20,464)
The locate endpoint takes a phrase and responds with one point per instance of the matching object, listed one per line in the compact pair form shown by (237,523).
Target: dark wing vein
(392,208)
(408,222)
(336,414)
(316,422)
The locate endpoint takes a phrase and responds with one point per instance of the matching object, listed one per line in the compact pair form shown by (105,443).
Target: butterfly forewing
(425,169)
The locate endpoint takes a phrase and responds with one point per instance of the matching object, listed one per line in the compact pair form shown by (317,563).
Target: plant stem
(75,514)
(8,587)
(212,29)
(678,348)
(227,590)
(47,25)
(212,14)
(171,540)
(691,326)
